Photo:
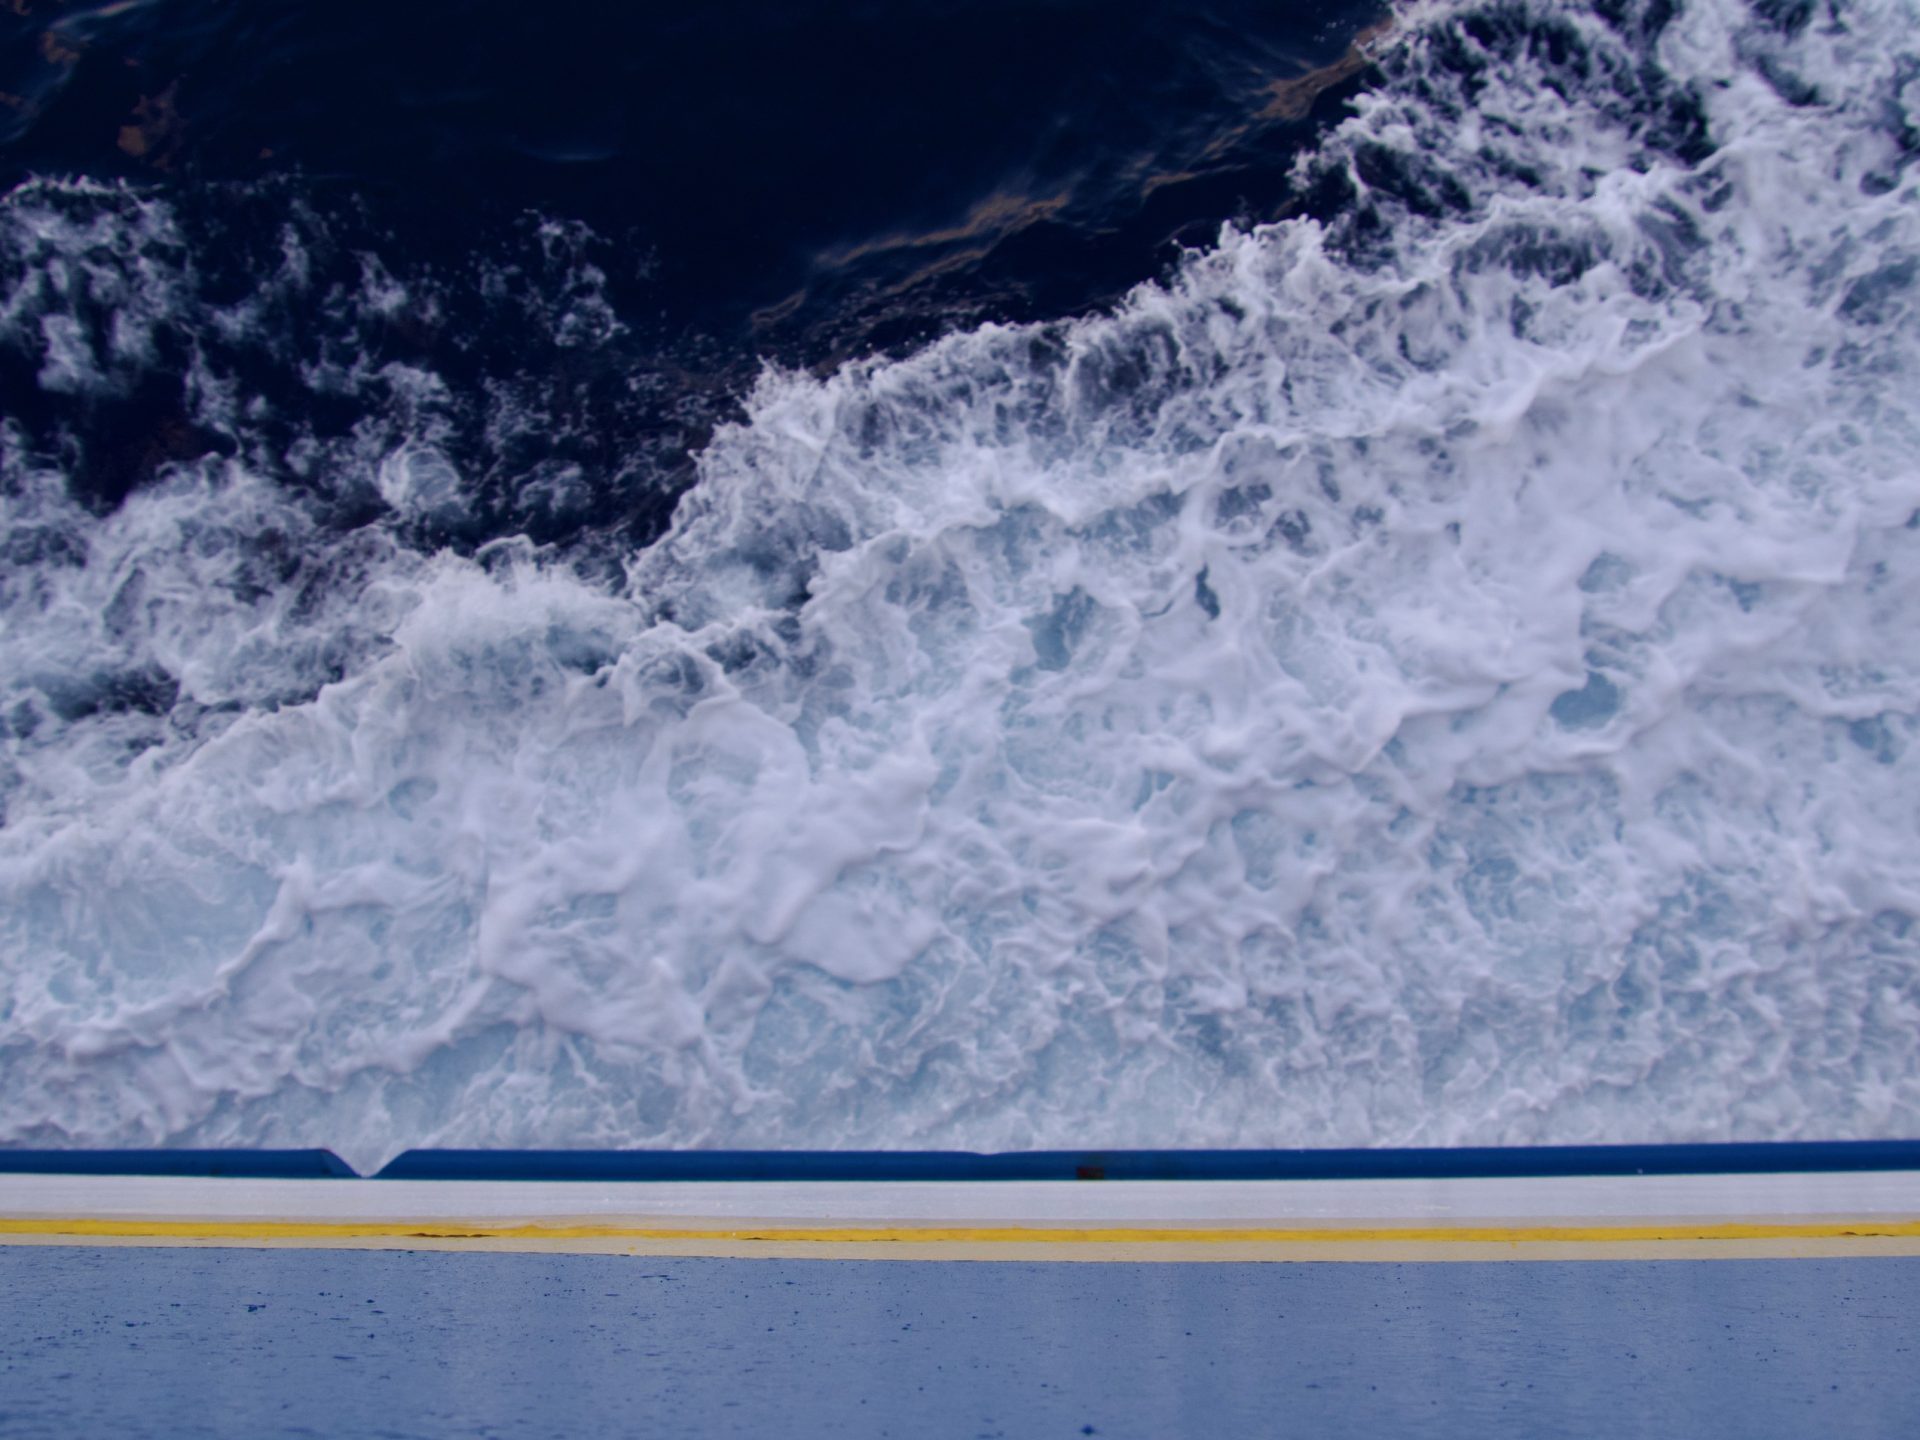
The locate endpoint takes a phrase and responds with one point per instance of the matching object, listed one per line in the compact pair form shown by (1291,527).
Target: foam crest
(1436,672)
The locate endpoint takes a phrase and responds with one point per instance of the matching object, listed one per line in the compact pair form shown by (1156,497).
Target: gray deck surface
(183,1342)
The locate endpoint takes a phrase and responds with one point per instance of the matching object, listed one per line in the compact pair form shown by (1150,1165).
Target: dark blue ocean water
(726,183)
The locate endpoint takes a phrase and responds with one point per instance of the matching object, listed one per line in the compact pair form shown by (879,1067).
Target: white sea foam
(1442,682)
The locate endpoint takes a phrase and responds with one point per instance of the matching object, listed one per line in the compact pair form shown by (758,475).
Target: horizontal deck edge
(1463,1162)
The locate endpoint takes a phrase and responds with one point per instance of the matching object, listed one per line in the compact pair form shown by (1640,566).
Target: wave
(1436,669)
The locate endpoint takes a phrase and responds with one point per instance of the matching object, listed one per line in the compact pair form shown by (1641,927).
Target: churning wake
(1437,669)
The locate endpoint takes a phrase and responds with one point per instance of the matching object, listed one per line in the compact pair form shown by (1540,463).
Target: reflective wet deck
(257,1342)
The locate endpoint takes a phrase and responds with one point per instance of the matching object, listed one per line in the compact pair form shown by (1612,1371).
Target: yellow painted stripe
(249,1231)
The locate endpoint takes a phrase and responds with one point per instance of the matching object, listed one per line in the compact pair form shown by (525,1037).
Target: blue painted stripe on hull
(1476,1162)
(1462,1163)
(192,1164)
